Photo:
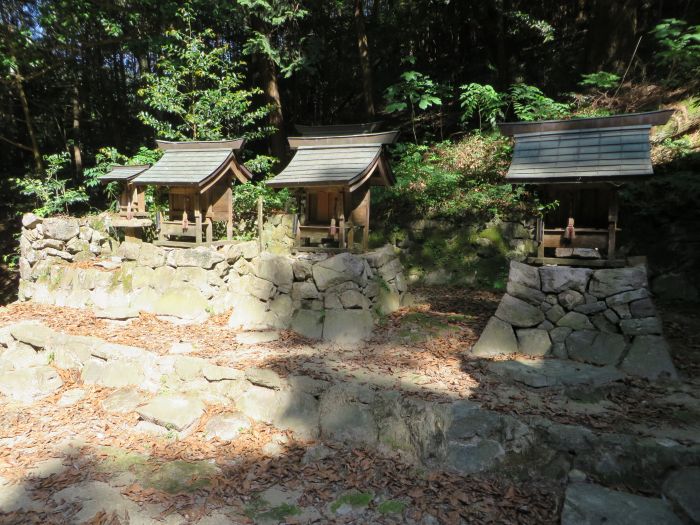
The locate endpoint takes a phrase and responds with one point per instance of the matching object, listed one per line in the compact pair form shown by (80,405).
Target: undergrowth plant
(416,92)
(53,191)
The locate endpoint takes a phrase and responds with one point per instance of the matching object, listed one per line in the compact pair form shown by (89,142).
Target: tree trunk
(365,64)
(38,163)
(75,135)
(612,35)
(268,78)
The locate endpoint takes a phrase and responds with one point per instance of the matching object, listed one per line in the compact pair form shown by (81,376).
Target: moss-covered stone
(391,506)
(354,499)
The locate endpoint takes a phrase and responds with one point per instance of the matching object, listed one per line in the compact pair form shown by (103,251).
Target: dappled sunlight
(151,477)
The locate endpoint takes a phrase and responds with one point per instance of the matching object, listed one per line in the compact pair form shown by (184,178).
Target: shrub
(452,181)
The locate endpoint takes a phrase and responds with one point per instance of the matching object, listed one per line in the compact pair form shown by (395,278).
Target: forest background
(85,84)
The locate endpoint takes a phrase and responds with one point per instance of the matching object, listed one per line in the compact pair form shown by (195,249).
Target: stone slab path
(84,452)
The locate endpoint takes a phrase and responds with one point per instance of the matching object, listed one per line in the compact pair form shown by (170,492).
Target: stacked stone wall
(68,262)
(603,317)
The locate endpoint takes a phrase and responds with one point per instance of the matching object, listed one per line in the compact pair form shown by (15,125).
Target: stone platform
(604,318)
(74,262)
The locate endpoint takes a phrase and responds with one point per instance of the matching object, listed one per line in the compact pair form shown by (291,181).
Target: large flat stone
(344,417)
(172,411)
(93,498)
(527,294)
(226,427)
(598,348)
(590,504)
(641,326)
(475,455)
(123,401)
(276,269)
(524,274)
(347,326)
(339,269)
(553,372)
(113,374)
(29,384)
(151,255)
(649,357)
(612,281)
(183,301)
(248,313)
(33,333)
(683,489)
(575,321)
(533,342)
(61,229)
(308,323)
(518,313)
(202,257)
(285,409)
(557,279)
(496,339)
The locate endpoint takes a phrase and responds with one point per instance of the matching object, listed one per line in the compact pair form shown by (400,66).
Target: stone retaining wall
(601,317)
(169,393)
(71,262)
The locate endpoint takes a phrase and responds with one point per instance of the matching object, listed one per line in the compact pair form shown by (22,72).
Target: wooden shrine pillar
(539,237)
(613,207)
(340,209)
(197,219)
(365,229)
(229,211)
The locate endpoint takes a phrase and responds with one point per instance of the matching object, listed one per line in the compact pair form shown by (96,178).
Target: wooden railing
(196,229)
(343,233)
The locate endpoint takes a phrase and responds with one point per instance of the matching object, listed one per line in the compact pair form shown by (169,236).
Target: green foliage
(245,197)
(541,27)
(483,100)
(267,37)
(451,181)
(108,157)
(680,50)
(52,192)
(600,80)
(197,92)
(529,103)
(415,91)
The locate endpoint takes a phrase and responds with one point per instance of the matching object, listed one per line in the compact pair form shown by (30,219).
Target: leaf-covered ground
(266,476)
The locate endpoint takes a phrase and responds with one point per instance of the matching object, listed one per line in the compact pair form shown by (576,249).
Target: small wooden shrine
(331,174)
(199,177)
(580,164)
(132,216)
(132,202)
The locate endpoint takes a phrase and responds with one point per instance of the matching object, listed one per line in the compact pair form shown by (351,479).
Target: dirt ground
(60,457)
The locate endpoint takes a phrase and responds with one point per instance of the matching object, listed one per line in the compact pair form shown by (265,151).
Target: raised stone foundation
(71,262)
(600,317)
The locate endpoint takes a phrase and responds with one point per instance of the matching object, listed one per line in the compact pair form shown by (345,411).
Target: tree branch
(16,144)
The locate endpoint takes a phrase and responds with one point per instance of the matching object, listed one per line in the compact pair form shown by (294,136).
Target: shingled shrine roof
(123,173)
(580,150)
(336,160)
(192,163)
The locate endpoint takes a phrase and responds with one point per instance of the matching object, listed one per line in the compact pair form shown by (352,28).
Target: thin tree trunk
(38,163)
(75,147)
(365,64)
